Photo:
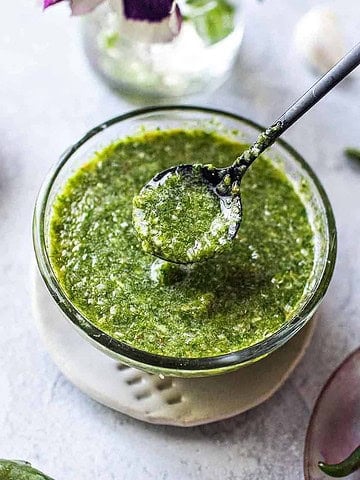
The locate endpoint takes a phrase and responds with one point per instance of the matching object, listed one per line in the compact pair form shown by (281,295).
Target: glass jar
(305,182)
(199,58)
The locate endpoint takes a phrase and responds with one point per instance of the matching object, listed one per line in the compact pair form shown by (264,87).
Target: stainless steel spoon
(224,183)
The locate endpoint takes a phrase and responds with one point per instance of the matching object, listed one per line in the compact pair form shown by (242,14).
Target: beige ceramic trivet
(153,398)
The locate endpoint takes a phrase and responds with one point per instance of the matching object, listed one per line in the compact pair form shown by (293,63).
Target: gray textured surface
(48,97)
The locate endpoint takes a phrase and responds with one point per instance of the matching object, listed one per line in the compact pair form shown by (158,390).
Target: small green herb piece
(353,153)
(214,20)
(344,468)
(111,39)
(18,470)
(225,304)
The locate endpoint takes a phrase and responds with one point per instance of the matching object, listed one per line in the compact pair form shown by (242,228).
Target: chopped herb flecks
(215,307)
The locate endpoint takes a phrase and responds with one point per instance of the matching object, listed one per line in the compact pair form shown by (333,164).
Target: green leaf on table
(353,153)
(213,19)
(344,468)
(18,470)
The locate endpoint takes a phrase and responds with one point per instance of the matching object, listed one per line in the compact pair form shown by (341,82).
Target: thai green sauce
(180,219)
(227,303)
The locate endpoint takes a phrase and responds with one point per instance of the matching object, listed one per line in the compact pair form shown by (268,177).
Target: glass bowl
(305,182)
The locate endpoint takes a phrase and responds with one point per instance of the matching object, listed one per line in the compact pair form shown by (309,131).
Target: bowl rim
(141,357)
(310,430)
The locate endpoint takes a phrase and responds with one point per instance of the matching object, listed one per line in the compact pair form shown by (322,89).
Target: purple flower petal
(148,21)
(49,3)
(150,10)
(78,7)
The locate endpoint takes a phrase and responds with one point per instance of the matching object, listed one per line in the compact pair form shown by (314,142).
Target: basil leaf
(213,19)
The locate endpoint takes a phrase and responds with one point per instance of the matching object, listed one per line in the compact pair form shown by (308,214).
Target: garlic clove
(319,40)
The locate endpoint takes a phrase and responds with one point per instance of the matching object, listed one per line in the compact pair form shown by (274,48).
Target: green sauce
(225,304)
(180,219)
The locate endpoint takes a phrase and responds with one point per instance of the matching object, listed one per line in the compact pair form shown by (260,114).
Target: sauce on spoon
(207,200)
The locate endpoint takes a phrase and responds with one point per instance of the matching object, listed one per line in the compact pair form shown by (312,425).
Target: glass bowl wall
(305,182)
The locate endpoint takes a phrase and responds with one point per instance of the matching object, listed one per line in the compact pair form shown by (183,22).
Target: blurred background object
(199,57)
(320,39)
(334,429)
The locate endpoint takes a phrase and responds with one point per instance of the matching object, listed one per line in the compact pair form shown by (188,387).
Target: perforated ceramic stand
(154,398)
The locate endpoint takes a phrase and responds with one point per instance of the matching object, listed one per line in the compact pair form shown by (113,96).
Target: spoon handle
(323,86)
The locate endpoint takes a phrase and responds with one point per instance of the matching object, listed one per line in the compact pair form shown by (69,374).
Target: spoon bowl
(190,195)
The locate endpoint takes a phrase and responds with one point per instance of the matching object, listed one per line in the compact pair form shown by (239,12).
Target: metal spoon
(224,183)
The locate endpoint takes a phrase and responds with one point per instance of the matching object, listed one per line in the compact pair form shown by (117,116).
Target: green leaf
(353,153)
(213,19)
(111,39)
(344,468)
(18,470)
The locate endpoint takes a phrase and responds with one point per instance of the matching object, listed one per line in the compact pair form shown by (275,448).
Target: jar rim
(124,351)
